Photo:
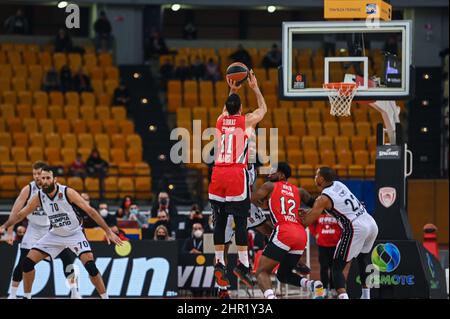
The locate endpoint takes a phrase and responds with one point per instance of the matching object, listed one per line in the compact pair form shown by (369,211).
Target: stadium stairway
(142,85)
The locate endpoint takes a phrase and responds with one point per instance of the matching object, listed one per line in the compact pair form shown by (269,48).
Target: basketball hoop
(341,96)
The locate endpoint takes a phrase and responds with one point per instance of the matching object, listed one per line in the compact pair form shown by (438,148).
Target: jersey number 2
(291,204)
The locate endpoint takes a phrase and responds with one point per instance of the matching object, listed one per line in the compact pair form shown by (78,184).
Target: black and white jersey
(38,217)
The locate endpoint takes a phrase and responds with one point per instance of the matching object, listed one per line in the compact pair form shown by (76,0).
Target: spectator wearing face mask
(194,244)
(138,216)
(124,209)
(110,218)
(161,233)
(164,204)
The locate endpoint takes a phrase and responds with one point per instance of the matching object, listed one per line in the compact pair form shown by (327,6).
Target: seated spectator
(96,166)
(163,219)
(273,58)
(124,209)
(164,204)
(212,72)
(121,95)
(183,71)
(190,31)
(241,55)
(102,28)
(194,244)
(65,78)
(51,81)
(63,41)
(198,69)
(166,72)
(81,82)
(17,24)
(110,218)
(78,167)
(155,45)
(161,233)
(137,216)
(195,217)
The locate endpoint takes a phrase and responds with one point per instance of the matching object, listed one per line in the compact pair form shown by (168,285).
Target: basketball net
(340,95)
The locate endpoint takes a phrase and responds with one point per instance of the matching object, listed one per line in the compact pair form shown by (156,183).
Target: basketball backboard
(375,55)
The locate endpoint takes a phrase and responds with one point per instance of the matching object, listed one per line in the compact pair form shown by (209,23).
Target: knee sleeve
(68,259)
(91,268)
(220,223)
(240,224)
(18,270)
(28,265)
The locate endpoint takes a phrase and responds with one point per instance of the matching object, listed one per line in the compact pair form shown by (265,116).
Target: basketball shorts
(286,238)
(229,184)
(53,245)
(255,219)
(32,235)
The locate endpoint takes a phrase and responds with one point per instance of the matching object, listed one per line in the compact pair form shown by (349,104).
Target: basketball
(237,72)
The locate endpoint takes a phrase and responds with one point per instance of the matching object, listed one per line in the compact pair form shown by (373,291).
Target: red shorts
(286,238)
(229,184)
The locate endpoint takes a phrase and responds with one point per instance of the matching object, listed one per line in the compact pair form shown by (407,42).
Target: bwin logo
(121,269)
(73,19)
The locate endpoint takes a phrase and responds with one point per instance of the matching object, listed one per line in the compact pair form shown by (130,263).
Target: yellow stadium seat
(142,168)
(305,170)
(105,59)
(14,57)
(280,116)
(20,139)
(55,112)
(360,115)
(95,234)
(143,187)
(111,187)
(325,143)
(125,168)
(90,60)
(361,158)
(327,117)
(20,71)
(342,143)
(74,61)
(30,57)
(97,86)
(22,181)
(19,84)
(358,143)
(112,73)
(95,126)
(8,188)
(41,98)
(96,73)
(6,71)
(312,115)
(40,112)
(126,186)
(299,129)
(72,98)
(296,115)
(59,60)
(118,141)
(206,87)
(110,127)
(34,84)
(25,97)
(68,156)
(369,171)
(134,155)
(119,113)
(10,97)
(72,112)
(309,143)
(328,157)
(53,155)
(174,101)
(56,98)
(117,155)
(363,129)
(294,156)
(199,113)
(174,87)
(76,183)
(347,129)
(207,100)
(87,112)
(23,111)
(341,170)
(315,129)
(5,155)
(46,126)
(92,187)
(344,157)
(308,184)
(2,58)
(62,126)
(36,71)
(355,171)
(5,84)
(88,99)
(102,141)
(311,157)
(102,112)
(134,141)
(372,143)
(110,86)
(14,125)
(126,127)
(5,139)
(35,154)
(2,124)
(292,142)
(30,125)
(37,140)
(331,129)
(53,140)
(85,140)
(7,111)
(69,141)
(85,153)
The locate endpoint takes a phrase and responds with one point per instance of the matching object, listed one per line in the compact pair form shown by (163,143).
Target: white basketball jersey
(38,217)
(251,175)
(346,207)
(62,214)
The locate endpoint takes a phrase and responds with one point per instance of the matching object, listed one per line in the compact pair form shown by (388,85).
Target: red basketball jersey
(284,203)
(233,141)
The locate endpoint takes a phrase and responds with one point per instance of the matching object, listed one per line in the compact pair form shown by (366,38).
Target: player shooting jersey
(346,207)
(63,215)
(284,203)
(38,217)
(233,141)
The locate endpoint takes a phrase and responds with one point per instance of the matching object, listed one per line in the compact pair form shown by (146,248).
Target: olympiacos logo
(387,196)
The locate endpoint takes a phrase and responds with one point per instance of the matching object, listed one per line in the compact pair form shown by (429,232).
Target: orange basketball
(238,72)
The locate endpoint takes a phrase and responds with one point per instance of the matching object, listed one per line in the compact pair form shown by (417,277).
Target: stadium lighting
(62,4)
(171,186)
(271,9)
(425,103)
(152,128)
(424,129)
(136,75)
(426,76)
(175,7)
(144,100)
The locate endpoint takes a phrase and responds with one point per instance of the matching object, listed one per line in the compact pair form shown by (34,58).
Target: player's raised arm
(257,115)
(322,202)
(259,197)
(76,199)
(14,218)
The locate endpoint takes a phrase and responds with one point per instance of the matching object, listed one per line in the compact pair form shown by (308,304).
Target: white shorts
(53,245)
(32,235)
(357,239)
(255,219)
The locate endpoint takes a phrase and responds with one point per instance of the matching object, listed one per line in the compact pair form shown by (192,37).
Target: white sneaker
(74,294)
(12,297)
(319,291)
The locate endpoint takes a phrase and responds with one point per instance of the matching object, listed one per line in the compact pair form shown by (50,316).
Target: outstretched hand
(252,82)
(233,85)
